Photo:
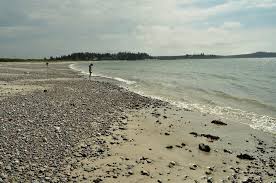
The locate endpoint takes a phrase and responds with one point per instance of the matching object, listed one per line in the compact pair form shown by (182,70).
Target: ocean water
(239,89)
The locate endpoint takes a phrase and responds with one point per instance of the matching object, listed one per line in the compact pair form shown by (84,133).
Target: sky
(43,28)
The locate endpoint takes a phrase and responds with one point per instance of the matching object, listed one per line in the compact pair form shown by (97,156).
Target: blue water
(242,89)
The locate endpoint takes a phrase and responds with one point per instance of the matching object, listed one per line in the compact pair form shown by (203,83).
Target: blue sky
(36,28)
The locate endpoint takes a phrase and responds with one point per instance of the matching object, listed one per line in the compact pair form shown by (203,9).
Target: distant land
(254,55)
(87,56)
(203,56)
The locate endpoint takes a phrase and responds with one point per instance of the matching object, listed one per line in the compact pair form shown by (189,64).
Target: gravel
(39,130)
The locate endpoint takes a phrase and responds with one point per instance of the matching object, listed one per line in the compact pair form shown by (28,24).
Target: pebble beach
(57,125)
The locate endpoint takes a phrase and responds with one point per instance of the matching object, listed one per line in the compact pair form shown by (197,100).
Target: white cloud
(231,25)
(157,26)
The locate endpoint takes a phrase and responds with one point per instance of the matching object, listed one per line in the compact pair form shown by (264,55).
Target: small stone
(204,147)
(193,167)
(89,169)
(245,157)
(218,122)
(209,180)
(57,129)
(130,172)
(97,180)
(172,164)
(169,147)
(8,168)
(115,176)
(149,161)
(146,173)
(211,168)
(227,151)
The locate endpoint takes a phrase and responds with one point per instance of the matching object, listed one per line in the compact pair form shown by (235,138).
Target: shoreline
(256,120)
(121,121)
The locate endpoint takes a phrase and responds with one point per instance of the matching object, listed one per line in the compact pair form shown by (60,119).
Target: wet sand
(58,126)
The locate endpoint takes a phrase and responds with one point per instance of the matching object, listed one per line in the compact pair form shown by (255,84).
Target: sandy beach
(57,125)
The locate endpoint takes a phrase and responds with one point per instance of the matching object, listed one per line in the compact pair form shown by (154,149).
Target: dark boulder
(204,148)
(211,137)
(245,157)
(218,122)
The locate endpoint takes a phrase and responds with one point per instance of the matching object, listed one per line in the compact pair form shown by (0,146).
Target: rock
(89,169)
(8,168)
(227,151)
(3,176)
(146,173)
(169,147)
(211,168)
(194,134)
(172,164)
(57,129)
(149,161)
(211,137)
(209,180)
(155,114)
(143,158)
(122,128)
(193,167)
(97,180)
(245,157)
(130,172)
(159,181)
(167,134)
(100,150)
(218,122)
(204,147)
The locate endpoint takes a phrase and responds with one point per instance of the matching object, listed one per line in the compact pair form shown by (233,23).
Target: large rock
(204,148)
(245,157)
(144,172)
(218,122)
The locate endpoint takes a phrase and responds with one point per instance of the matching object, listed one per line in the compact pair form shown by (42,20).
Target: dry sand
(141,148)
(142,140)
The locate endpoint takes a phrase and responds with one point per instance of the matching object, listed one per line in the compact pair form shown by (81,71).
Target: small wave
(255,121)
(128,82)
(125,81)
(224,77)
(72,66)
(260,122)
(246,100)
(103,76)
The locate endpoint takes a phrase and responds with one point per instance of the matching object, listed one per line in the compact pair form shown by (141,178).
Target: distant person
(47,64)
(90,69)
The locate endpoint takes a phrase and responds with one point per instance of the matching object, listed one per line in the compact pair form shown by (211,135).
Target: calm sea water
(242,89)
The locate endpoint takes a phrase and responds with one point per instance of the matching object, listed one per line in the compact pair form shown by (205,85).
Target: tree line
(86,56)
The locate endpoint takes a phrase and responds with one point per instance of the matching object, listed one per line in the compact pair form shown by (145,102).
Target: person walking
(90,69)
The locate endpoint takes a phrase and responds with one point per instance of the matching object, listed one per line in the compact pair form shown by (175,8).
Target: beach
(57,125)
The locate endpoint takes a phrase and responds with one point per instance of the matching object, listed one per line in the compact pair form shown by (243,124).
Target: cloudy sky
(38,28)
